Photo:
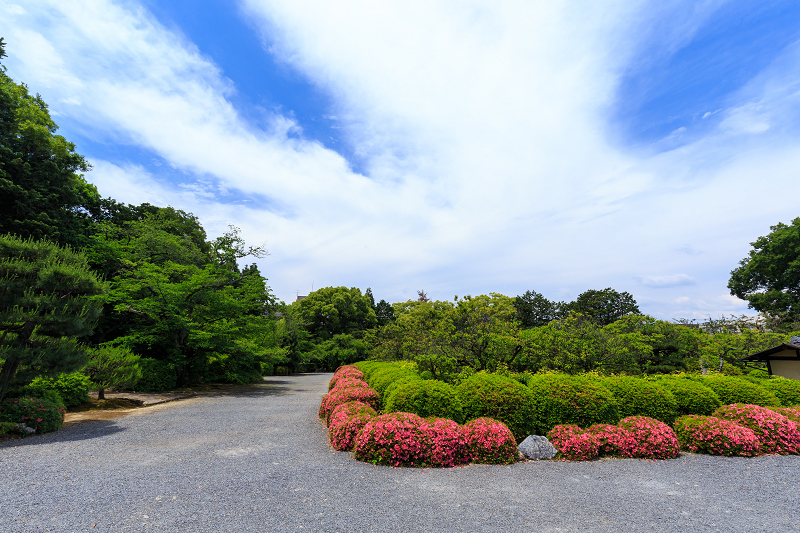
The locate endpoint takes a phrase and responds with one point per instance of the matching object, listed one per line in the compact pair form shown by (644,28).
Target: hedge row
(636,436)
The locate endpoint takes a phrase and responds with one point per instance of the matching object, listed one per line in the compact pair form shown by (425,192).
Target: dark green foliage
(639,397)
(342,349)
(769,278)
(564,399)
(36,413)
(157,376)
(786,390)
(37,391)
(42,192)
(692,397)
(501,398)
(426,398)
(732,389)
(534,310)
(48,297)
(73,387)
(112,366)
(603,306)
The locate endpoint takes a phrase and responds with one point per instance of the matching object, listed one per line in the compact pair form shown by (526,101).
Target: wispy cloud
(482,129)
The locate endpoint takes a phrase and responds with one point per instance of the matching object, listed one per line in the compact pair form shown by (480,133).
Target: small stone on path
(537,447)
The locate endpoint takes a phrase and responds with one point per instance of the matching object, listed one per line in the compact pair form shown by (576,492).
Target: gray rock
(23,427)
(537,447)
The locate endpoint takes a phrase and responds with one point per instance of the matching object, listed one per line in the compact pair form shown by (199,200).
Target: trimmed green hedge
(73,388)
(499,398)
(640,397)
(737,390)
(563,399)
(692,397)
(426,398)
(786,390)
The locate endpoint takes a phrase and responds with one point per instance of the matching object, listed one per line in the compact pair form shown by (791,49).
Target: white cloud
(483,131)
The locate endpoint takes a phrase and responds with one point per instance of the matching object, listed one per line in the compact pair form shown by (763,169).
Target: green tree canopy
(48,298)
(603,306)
(332,311)
(769,277)
(42,190)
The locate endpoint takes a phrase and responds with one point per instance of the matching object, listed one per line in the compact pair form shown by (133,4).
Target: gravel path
(258,460)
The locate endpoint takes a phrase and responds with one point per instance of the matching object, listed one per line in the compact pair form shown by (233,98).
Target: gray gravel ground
(258,460)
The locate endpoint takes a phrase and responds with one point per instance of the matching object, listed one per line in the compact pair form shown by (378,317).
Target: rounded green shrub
(692,397)
(500,398)
(426,398)
(640,397)
(38,391)
(561,399)
(73,387)
(786,390)
(382,379)
(36,413)
(157,376)
(737,390)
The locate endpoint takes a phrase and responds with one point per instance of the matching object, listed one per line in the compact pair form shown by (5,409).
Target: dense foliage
(499,398)
(561,399)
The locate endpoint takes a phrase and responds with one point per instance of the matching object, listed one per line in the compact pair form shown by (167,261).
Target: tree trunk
(101,394)
(6,374)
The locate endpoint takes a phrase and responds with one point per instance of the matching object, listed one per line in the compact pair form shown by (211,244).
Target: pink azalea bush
(350,394)
(654,439)
(489,441)
(792,413)
(776,432)
(635,436)
(348,382)
(345,372)
(346,422)
(395,439)
(715,436)
(447,443)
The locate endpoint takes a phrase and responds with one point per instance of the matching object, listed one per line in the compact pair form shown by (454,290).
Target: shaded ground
(257,459)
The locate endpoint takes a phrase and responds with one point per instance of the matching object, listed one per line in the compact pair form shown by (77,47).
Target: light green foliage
(639,397)
(692,397)
(786,390)
(564,399)
(769,277)
(72,387)
(732,389)
(48,298)
(500,398)
(112,366)
(335,310)
(426,398)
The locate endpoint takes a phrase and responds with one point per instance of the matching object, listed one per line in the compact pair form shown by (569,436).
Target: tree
(769,277)
(48,298)
(42,191)
(111,366)
(603,306)
(534,310)
(335,310)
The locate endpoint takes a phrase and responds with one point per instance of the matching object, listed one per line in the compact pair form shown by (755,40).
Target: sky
(455,147)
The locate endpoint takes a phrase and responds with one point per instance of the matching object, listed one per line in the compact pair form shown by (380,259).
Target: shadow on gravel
(92,429)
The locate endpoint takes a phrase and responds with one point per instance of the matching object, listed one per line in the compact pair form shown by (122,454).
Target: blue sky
(461,148)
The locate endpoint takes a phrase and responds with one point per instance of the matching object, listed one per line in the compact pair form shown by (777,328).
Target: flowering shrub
(792,413)
(447,444)
(582,447)
(501,398)
(776,432)
(346,421)
(715,436)
(613,440)
(36,413)
(640,397)
(692,397)
(654,439)
(426,398)
(345,372)
(345,383)
(350,394)
(737,390)
(489,441)
(562,399)
(787,390)
(395,439)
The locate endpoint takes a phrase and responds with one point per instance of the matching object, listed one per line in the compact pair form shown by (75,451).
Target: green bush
(385,377)
(692,397)
(786,390)
(426,398)
(38,391)
(640,397)
(563,399)
(36,413)
(737,390)
(157,376)
(73,388)
(499,398)
(10,428)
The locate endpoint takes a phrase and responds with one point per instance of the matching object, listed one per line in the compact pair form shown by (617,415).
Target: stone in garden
(537,447)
